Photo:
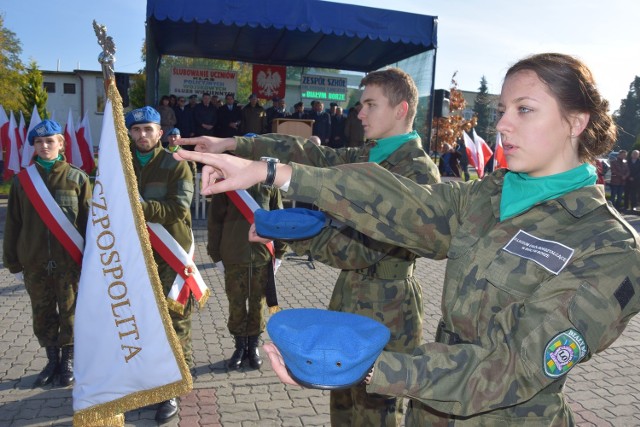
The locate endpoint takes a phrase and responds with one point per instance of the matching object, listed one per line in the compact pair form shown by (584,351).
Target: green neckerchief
(47,165)
(521,191)
(144,158)
(385,146)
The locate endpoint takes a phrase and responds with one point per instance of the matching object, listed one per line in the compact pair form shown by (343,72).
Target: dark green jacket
(28,243)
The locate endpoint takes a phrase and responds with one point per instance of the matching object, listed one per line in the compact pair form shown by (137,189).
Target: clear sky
(476,38)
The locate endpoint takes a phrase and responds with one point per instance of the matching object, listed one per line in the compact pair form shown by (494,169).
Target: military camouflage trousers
(397,304)
(53,304)
(245,287)
(181,322)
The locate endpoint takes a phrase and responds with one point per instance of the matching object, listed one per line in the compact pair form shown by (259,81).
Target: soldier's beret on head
(174,131)
(44,128)
(289,224)
(142,115)
(327,349)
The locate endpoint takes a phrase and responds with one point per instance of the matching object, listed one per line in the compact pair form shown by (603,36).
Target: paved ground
(604,392)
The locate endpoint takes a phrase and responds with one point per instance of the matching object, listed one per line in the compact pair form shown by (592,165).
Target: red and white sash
(51,213)
(182,263)
(247,206)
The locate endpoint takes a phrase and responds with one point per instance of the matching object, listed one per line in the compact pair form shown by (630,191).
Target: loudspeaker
(441,103)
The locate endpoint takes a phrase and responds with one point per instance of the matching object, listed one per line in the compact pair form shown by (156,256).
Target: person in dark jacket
(229,117)
(204,116)
(322,123)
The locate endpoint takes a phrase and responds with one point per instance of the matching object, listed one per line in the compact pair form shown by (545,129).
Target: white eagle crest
(269,82)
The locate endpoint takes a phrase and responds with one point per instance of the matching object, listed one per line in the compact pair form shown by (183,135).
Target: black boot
(66,366)
(254,355)
(236,358)
(46,376)
(167,410)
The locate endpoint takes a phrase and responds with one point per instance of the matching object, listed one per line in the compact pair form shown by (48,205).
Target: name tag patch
(563,352)
(552,256)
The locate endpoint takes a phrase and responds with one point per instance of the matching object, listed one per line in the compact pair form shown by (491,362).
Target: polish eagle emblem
(268,82)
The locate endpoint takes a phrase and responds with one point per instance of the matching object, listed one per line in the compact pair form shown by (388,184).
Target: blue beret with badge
(327,349)
(142,115)
(289,224)
(44,128)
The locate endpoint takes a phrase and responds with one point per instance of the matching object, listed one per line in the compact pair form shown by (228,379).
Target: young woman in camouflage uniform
(541,275)
(31,251)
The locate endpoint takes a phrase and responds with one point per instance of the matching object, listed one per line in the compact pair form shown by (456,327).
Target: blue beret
(327,349)
(174,131)
(289,224)
(44,128)
(142,115)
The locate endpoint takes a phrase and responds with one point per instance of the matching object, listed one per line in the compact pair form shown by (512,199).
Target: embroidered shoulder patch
(563,352)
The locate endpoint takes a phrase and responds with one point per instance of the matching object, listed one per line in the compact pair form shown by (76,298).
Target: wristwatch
(271,170)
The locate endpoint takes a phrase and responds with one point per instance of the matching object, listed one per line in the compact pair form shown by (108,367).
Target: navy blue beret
(44,128)
(327,349)
(142,115)
(289,224)
(174,131)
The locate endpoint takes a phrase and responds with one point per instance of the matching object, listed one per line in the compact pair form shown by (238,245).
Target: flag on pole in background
(473,154)
(4,132)
(127,354)
(484,150)
(27,149)
(22,132)
(85,142)
(13,156)
(71,149)
(499,160)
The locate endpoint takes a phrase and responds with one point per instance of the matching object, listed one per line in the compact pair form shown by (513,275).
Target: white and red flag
(22,132)
(71,149)
(12,165)
(85,142)
(127,354)
(27,149)
(4,132)
(499,159)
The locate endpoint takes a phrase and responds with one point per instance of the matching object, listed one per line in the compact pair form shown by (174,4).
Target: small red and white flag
(71,149)
(4,131)
(13,166)
(22,131)
(27,149)
(499,159)
(85,142)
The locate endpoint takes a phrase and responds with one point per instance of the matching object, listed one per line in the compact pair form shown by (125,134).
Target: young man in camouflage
(377,279)
(166,187)
(37,256)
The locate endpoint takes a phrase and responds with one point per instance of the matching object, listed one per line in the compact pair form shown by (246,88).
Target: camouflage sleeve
(289,148)
(177,202)
(531,344)
(387,207)
(12,229)
(342,248)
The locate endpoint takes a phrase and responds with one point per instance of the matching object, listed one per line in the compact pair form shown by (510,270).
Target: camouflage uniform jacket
(376,278)
(503,309)
(228,229)
(28,243)
(166,185)
(343,248)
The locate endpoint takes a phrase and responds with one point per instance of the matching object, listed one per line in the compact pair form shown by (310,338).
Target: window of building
(50,87)
(69,88)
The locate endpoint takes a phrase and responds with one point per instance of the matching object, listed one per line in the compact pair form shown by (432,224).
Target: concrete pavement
(603,392)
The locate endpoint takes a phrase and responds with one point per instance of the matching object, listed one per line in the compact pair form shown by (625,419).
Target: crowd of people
(213,117)
(541,272)
(624,181)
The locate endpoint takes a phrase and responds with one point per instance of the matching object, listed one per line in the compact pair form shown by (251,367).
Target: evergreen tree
(10,68)
(33,92)
(628,117)
(482,108)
